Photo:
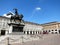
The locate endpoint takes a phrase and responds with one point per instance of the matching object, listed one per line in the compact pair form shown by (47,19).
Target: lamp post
(22,39)
(7,41)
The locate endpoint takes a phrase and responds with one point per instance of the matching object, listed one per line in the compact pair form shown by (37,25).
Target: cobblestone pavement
(50,39)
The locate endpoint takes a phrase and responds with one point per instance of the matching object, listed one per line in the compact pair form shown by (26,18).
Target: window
(56,30)
(52,30)
(24,32)
(49,30)
(30,32)
(2,32)
(3,24)
(33,32)
(36,32)
(46,31)
(0,24)
(27,32)
(59,31)
(1,19)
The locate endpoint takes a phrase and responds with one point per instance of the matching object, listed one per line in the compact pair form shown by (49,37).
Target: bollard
(7,41)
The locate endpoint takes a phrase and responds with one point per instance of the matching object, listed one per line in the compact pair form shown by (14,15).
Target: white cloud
(38,8)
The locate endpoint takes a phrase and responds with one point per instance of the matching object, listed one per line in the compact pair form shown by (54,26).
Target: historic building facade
(16,24)
(29,28)
(52,27)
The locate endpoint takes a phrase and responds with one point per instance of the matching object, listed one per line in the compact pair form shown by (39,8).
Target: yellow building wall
(50,27)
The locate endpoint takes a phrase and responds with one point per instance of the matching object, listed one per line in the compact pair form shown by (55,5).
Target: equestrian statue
(16,16)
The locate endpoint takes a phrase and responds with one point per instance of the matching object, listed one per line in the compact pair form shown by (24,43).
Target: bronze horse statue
(16,16)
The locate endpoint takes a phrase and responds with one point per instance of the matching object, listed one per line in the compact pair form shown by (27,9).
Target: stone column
(32,32)
(10,29)
(6,32)
(35,32)
(25,32)
(29,32)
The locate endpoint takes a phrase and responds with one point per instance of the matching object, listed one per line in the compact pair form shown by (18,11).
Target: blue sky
(49,9)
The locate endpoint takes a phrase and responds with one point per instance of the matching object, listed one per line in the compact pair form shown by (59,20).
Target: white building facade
(29,28)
